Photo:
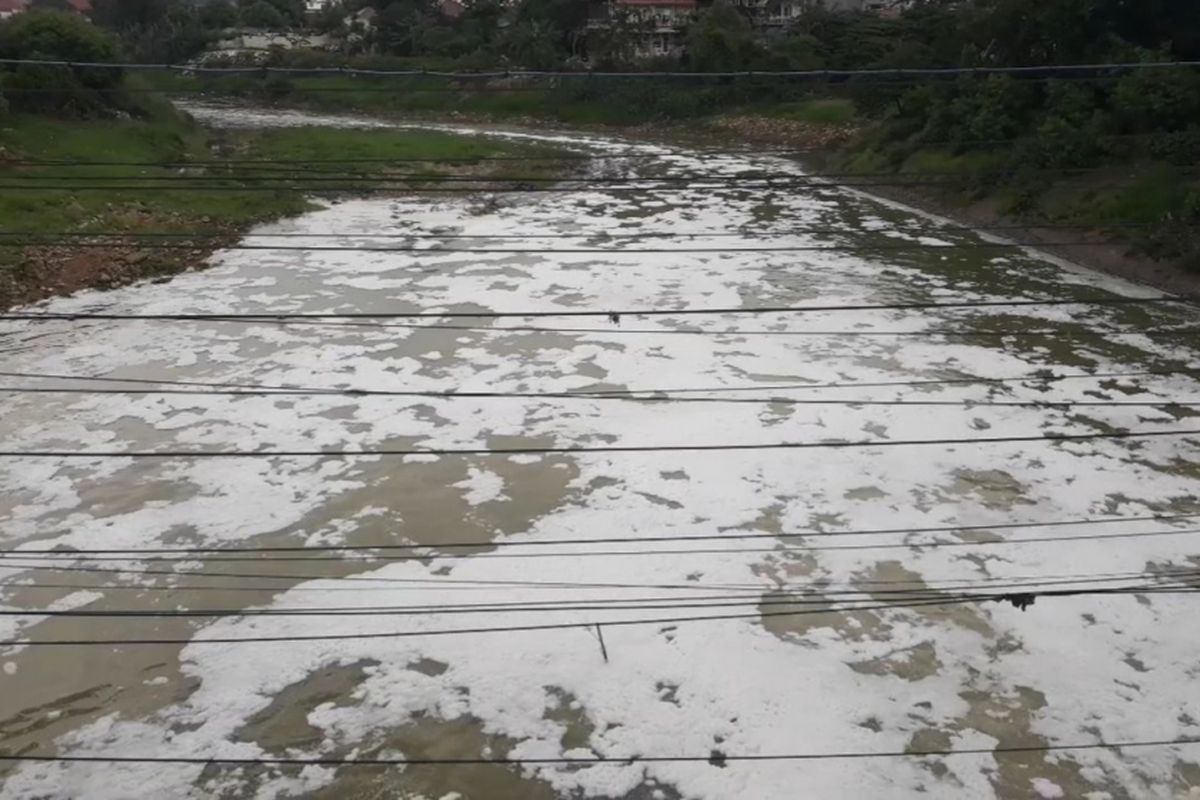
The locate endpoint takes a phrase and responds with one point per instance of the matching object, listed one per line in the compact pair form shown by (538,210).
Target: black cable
(596,234)
(1047,405)
(617,393)
(618,331)
(217,554)
(369,582)
(607,448)
(588,76)
(356,186)
(607,313)
(503,543)
(377,85)
(816,594)
(481,189)
(965,599)
(715,758)
(437,249)
(461,631)
(318,180)
(1066,335)
(743,177)
(390,583)
(688,155)
(844,606)
(299,583)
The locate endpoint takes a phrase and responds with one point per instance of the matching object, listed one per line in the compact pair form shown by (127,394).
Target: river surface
(882,678)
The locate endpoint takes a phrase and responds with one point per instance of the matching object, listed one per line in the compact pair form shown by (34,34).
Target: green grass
(1142,192)
(939,162)
(816,111)
(580,100)
(326,143)
(75,207)
(177,140)
(78,196)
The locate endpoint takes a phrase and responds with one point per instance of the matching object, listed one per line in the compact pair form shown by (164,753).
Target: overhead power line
(665,155)
(715,758)
(608,234)
(404,634)
(755,179)
(1023,599)
(414,552)
(608,313)
(567,450)
(809,587)
(573,251)
(1044,378)
(483,186)
(523,543)
(617,330)
(815,596)
(242,581)
(204,86)
(436,249)
(478,186)
(1047,405)
(1087,70)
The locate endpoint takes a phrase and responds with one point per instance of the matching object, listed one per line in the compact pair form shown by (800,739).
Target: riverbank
(83,195)
(1094,249)
(205,186)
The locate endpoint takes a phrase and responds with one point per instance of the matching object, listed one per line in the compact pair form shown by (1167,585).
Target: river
(881,678)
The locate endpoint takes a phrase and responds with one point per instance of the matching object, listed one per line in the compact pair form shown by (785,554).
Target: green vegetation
(167,138)
(815,111)
(1101,151)
(1097,151)
(54,180)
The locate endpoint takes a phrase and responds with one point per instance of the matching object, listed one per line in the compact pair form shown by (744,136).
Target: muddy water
(1070,671)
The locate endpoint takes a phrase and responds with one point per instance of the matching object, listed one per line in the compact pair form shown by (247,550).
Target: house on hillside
(773,15)
(10,7)
(657,27)
(451,9)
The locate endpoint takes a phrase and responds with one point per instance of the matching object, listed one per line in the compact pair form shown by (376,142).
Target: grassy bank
(1139,204)
(580,101)
(168,174)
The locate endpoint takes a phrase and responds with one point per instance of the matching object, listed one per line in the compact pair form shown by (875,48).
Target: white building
(658,27)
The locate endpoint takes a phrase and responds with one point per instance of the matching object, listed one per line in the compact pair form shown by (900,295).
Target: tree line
(1007,131)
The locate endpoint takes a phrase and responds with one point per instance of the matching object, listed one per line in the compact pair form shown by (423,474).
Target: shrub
(1178,237)
(1158,99)
(55,36)
(263,15)
(993,109)
(1181,148)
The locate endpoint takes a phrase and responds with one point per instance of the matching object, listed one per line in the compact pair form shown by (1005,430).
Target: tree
(262,14)
(218,15)
(121,15)
(531,44)
(330,18)
(154,30)
(560,23)
(480,24)
(722,40)
(58,36)
(401,25)
(292,10)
